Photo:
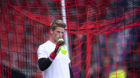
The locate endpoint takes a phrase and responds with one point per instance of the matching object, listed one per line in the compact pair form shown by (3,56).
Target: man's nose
(60,35)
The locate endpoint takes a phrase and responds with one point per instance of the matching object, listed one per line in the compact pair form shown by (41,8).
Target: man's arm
(44,63)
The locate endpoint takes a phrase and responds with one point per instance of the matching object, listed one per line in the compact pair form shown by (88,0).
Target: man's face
(57,33)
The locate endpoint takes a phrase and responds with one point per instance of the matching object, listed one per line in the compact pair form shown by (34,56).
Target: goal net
(103,36)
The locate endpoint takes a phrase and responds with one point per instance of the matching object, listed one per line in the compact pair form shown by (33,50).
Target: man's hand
(58,44)
(53,54)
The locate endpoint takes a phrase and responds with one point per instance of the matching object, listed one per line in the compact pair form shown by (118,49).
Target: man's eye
(58,31)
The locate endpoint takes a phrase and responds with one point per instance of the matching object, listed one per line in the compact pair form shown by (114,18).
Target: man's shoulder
(47,46)
(47,43)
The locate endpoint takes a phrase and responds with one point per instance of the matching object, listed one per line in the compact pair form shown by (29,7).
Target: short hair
(57,23)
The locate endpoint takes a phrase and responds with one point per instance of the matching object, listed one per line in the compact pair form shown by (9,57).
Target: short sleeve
(41,52)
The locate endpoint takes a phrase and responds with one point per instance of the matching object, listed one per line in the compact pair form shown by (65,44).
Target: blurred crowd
(121,60)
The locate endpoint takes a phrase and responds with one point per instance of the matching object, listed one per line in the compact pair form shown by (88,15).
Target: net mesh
(104,36)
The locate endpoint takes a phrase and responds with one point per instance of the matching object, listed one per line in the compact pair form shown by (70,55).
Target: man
(52,62)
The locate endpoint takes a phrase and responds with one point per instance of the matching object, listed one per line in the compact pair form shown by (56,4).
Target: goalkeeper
(52,62)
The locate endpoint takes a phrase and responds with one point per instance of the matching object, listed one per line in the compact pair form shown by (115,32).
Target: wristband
(52,56)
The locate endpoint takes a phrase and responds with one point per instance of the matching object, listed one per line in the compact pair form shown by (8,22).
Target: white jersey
(60,65)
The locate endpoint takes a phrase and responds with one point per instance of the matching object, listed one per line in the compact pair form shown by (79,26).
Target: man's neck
(52,40)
